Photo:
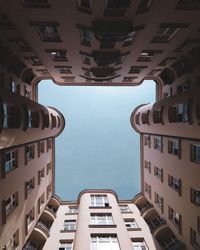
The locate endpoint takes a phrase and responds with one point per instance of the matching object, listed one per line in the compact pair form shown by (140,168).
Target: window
(136,69)
(48,33)
(27,92)
(20,44)
(48,167)
(86,59)
(65,245)
(49,189)
(174,147)
(139,244)
(14,242)
(49,144)
(194,239)
(40,202)
(99,201)
(124,208)
(130,224)
(86,37)
(85,4)
(10,161)
(29,219)
(158,116)
(147,189)
(41,147)
(64,69)
(40,176)
(195,153)
(101,219)
(36,3)
(11,117)
(147,140)
(145,117)
(158,143)
(10,203)
(165,33)
(104,242)
(188,5)
(33,119)
(29,186)
(33,60)
(195,196)
(15,87)
(148,55)
(73,210)
(158,172)
(175,218)
(178,113)
(159,201)
(147,165)
(174,183)
(58,55)
(29,152)
(183,87)
(69,225)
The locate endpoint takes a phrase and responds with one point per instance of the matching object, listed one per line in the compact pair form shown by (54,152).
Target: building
(104,43)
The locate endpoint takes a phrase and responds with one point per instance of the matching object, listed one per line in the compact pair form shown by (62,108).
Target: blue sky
(98,147)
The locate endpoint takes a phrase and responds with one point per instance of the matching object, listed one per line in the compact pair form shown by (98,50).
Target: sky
(98,147)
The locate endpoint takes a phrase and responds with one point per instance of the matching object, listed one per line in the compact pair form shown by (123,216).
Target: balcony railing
(28,246)
(43,227)
(145,208)
(155,223)
(51,210)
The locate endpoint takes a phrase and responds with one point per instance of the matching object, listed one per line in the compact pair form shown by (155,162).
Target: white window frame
(69,225)
(99,201)
(111,242)
(11,163)
(139,245)
(101,219)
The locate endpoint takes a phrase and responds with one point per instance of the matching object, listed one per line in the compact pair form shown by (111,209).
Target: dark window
(48,33)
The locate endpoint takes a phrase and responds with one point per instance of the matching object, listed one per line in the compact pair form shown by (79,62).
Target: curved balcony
(104,58)
(42,229)
(167,240)
(113,31)
(154,221)
(102,71)
(143,205)
(50,211)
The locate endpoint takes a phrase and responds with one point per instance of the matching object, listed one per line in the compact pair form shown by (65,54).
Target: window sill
(102,226)
(67,231)
(93,207)
(134,229)
(71,213)
(126,212)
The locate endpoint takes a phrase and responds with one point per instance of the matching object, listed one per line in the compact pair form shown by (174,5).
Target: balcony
(154,221)
(143,205)
(42,228)
(51,211)
(30,246)
(102,71)
(117,7)
(167,240)
(107,31)
(104,58)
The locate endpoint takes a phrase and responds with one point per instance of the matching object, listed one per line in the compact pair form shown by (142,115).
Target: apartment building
(98,220)
(100,43)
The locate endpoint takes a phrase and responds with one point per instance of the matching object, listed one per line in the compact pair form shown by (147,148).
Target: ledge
(102,226)
(92,207)
(67,231)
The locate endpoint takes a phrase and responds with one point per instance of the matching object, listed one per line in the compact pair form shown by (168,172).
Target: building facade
(100,43)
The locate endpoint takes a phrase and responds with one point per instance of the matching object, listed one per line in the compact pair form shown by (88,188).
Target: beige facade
(100,43)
